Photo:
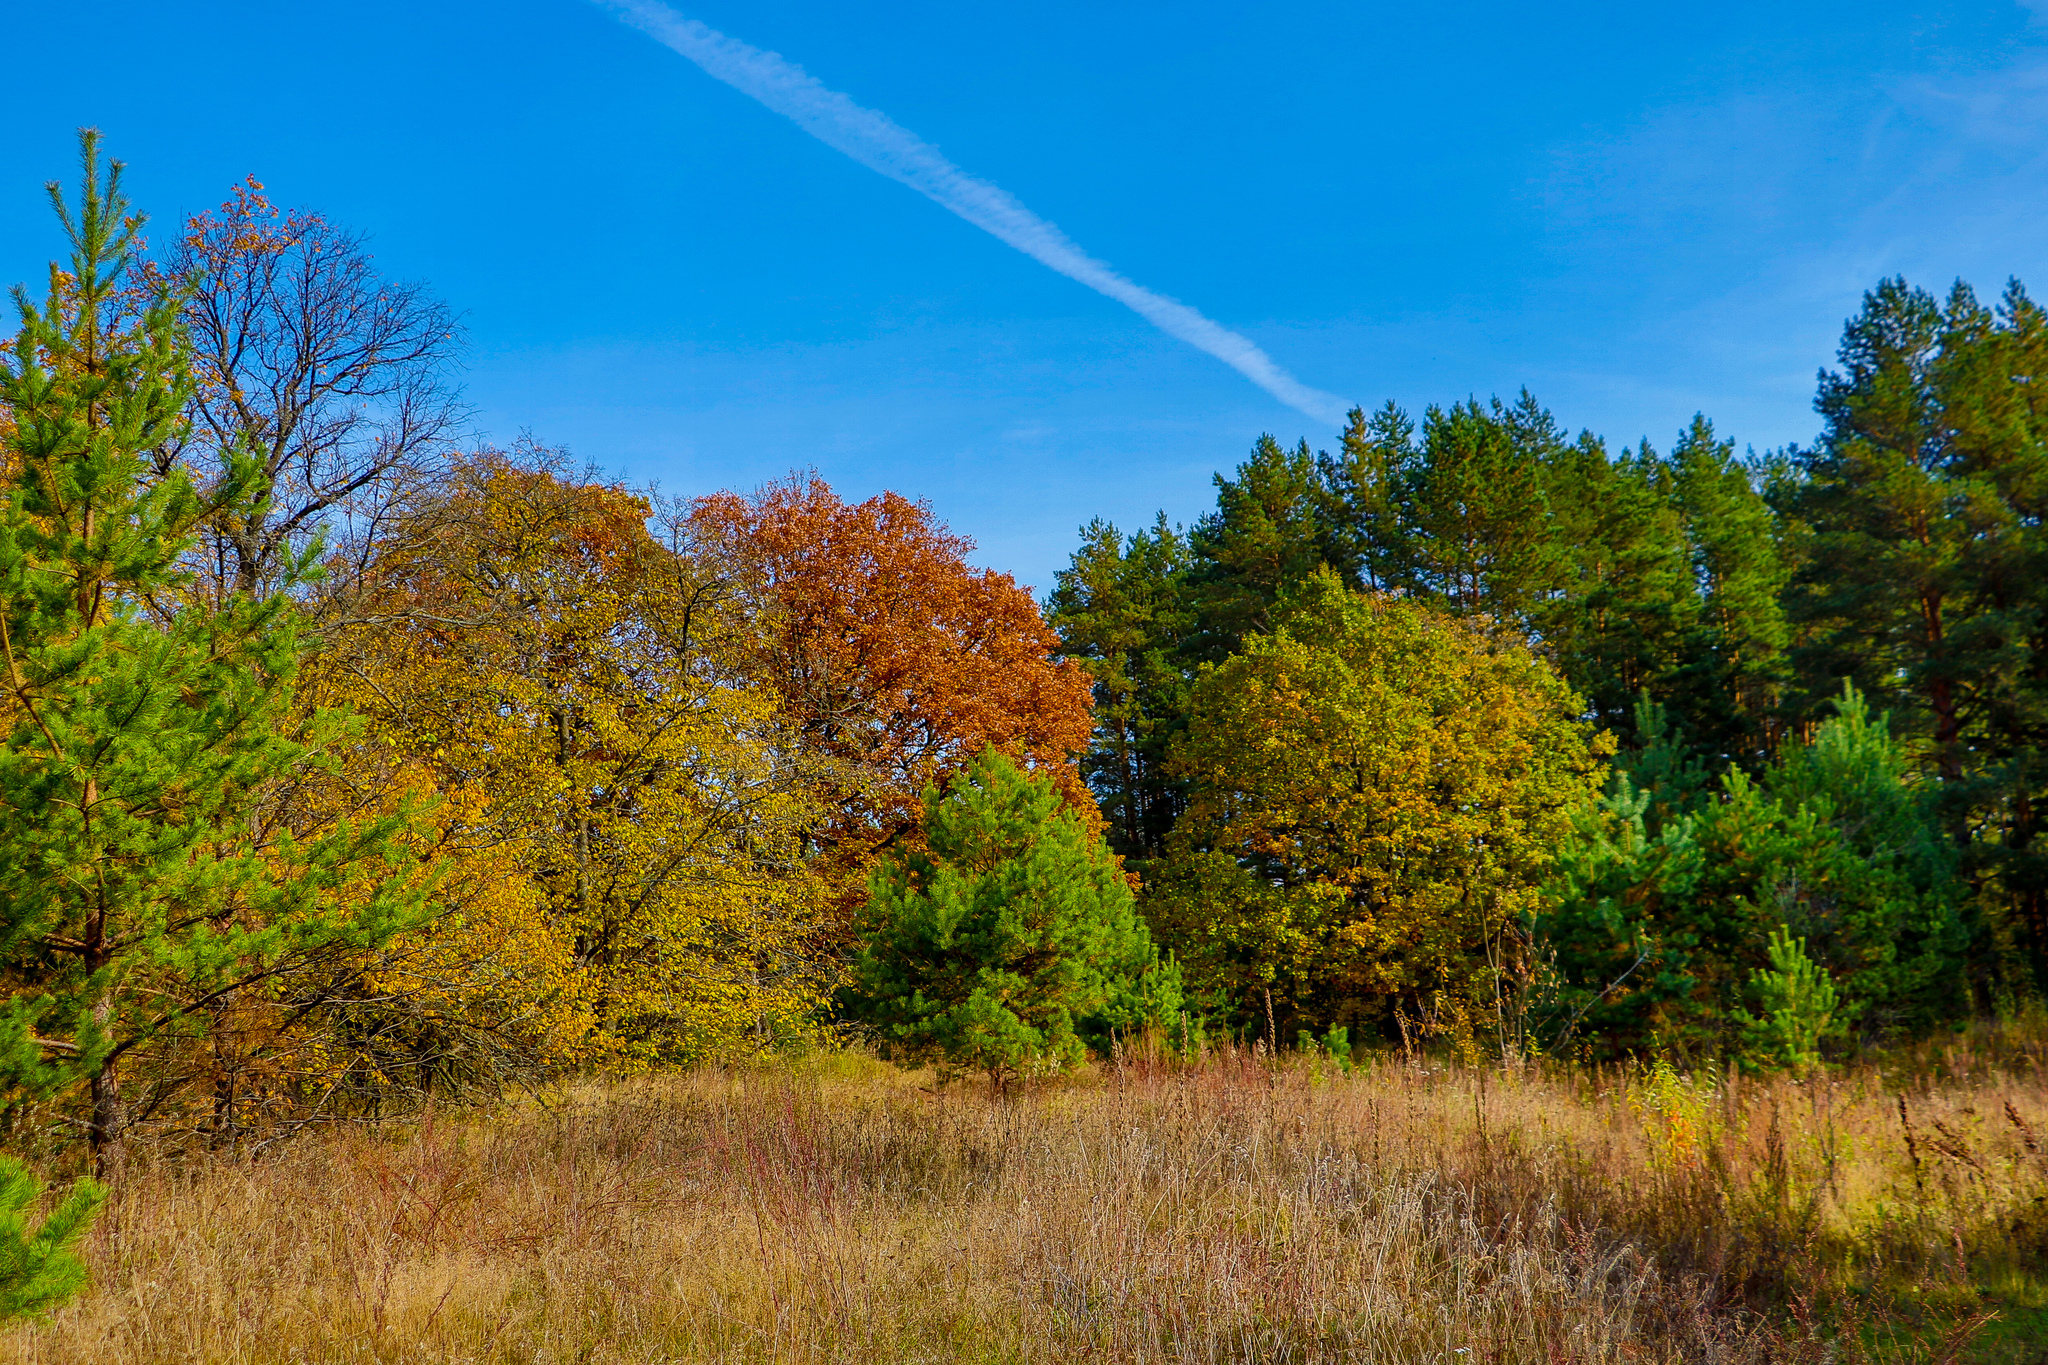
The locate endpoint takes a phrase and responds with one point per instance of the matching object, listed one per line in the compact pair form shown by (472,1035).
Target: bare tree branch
(336,380)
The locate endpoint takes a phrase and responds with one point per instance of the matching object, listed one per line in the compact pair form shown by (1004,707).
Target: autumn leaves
(668,739)
(344,767)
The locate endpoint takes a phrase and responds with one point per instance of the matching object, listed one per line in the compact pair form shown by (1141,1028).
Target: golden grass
(835,1210)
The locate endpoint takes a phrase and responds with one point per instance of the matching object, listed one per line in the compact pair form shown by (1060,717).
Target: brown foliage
(894,658)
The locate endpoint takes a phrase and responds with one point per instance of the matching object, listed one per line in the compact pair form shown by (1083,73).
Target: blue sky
(1637,211)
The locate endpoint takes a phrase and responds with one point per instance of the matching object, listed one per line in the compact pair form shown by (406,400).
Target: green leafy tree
(994,947)
(40,1270)
(144,880)
(1376,792)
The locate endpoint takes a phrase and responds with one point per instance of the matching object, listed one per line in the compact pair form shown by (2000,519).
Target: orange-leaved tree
(896,661)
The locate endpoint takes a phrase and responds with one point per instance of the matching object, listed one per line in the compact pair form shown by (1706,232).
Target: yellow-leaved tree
(1374,793)
(620,823)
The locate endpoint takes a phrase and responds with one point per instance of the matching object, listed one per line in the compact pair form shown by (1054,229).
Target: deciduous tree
(894,660)
(332,378)
(574,686)
(1376,794)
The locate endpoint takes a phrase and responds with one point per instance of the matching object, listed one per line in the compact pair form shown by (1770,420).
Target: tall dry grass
(1228,1211)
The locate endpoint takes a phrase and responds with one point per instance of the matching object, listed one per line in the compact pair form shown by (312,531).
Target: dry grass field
(833,1209)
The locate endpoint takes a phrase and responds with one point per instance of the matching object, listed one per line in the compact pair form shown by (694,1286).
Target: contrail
(881,144)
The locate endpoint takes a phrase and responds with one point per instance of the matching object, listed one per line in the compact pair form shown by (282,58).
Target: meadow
(1226,1208)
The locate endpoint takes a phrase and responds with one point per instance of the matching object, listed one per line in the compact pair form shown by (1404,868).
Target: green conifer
(1798,1002)
(996,947)
(1123,613)
(39,1270)
(141,725)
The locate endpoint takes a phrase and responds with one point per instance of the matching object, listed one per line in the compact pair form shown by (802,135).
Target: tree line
(349,760)
(1473,724)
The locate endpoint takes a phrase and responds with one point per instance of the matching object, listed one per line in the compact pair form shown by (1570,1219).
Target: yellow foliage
(1676,1114)
(619,828)
(1374,794)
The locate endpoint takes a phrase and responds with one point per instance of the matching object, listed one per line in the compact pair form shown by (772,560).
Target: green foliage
(1271,529)
(1124,613)
(1460,516)
(1732,670)
(1629,603)
(997,945)
(143,878)
(1924,577)
(1153,1001)
(1798,1002)
(1334,1046)
(1630,868)
(1665,901)
(39,1270)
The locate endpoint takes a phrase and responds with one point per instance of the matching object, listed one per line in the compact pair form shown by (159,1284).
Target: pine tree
(1798,1002)
(1620,626)
(1729,689)
(1666,900)
(1462,515)
(1370,543)
(1122,612)
(1920,519)
(143,881)
(1483,539)
(1271,529)
(995,948)
(1876,594)
(39,1270)
(1997,420)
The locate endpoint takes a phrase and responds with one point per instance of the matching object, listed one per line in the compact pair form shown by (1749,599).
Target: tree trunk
(1123,746)
(109,1119)
(225,1068)
(109,1136)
